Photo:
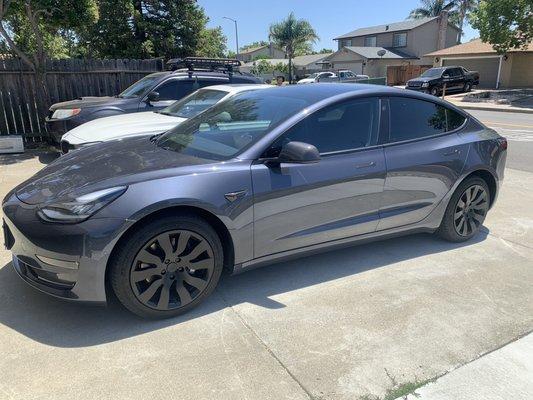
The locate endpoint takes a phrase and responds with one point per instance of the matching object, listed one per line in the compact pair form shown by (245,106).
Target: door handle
(452,152)
(365,165)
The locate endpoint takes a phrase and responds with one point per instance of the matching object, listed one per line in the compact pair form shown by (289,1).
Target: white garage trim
(477,57)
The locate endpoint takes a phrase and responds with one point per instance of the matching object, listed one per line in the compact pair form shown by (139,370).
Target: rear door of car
(424,156)
(299,205)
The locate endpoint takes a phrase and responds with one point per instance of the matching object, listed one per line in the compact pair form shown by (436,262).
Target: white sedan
(151,122)
(314,78)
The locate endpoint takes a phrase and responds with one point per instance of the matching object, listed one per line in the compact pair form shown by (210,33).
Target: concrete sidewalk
(503,374)
(354,324)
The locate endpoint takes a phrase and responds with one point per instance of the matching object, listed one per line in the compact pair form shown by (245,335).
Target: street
(518,129)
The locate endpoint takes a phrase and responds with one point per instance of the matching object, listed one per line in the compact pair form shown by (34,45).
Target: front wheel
(467,87)
(466,211)
(434,91)
(167,267)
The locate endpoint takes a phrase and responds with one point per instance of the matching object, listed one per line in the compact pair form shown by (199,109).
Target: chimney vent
(386,27)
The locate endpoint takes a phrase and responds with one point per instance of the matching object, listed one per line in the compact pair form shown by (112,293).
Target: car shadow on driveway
(59,323)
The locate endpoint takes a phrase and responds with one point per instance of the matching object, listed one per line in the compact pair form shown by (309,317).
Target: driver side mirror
(152,97)
(298,153)
(446,76)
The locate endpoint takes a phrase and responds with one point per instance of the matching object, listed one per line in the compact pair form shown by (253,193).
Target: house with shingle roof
(371,50)
(266,51)
(513,69)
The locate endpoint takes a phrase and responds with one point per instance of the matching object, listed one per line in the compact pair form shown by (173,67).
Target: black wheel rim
(172,269)
(470,210)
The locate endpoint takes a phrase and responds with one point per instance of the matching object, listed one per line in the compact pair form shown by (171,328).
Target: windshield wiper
(153,138)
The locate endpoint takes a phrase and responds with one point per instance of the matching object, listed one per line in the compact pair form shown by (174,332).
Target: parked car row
(151,93)
(344,76)
(239,176)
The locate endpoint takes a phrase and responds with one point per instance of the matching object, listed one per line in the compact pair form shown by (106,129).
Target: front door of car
(424,159)
(298,205)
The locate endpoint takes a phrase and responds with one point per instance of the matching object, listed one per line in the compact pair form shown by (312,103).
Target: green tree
(293,36)
(433,8)
(212,43)
(506,24)
(34,29)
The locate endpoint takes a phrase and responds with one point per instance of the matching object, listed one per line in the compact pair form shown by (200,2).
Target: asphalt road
(518,129)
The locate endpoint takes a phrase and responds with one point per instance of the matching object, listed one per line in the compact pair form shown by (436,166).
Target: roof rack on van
(202,63)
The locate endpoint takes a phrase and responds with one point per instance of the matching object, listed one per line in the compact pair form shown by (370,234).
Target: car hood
(421,80)
(105,165)
(118,126)
(84,102)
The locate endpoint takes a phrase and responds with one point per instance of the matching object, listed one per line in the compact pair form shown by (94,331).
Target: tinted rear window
(414,119)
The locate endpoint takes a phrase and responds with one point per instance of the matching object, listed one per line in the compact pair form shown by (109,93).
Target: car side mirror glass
(152,97)
(298,152)
(445,76)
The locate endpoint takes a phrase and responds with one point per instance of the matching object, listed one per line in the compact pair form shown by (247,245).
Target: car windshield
(194,104)
(141,87)
(312,76)
(432,73)
(231,126)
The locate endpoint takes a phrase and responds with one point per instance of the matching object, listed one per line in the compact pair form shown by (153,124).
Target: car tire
(175,260)
(467,87)
(434,91)
(466,211)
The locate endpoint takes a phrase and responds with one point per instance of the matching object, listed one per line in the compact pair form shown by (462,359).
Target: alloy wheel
(470,210)
(172,269)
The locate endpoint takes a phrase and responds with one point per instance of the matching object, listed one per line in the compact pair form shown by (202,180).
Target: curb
(486,108)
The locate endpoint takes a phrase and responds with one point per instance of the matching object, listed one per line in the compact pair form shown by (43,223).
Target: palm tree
(433,8)
(292,34)
(465,7)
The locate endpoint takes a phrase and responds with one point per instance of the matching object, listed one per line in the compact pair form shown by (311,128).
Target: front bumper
(76,255)
(418,89)
(56,128)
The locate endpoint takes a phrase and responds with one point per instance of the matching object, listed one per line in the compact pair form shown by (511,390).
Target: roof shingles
(392,27)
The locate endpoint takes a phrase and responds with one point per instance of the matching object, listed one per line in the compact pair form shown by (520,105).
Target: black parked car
(433,80)
(153,92)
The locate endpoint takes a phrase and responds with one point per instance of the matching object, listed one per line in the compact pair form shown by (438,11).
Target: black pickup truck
(456,79)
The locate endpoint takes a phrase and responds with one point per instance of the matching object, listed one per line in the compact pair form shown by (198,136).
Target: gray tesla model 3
(261,177)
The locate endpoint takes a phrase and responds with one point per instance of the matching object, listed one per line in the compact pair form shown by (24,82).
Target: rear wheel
(167,267)
(466,211)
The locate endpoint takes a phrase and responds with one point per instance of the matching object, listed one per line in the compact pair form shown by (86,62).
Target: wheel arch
(215,222)
(489,178)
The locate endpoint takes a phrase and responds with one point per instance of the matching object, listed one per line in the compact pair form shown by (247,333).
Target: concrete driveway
(366,322)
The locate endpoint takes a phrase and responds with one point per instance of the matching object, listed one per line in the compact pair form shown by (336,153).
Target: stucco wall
(521,70)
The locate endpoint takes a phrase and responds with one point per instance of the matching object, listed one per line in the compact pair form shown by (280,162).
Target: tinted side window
(174,89)
(454,119)
(345,126)
(414,119)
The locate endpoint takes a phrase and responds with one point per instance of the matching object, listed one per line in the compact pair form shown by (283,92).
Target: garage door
(487,68)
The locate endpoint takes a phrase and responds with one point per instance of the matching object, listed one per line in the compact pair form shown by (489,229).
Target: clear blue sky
(329,18)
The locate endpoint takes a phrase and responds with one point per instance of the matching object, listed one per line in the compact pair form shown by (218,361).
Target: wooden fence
(400,74)
(22,112)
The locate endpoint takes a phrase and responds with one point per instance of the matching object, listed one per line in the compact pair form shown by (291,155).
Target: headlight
(80,208)
(425,84)
(62,114)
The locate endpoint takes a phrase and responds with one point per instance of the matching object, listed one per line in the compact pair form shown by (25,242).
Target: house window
(346,42)
(399,40)
(370,41)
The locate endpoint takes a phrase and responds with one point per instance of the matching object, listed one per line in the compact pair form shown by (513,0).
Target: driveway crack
(266,347)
